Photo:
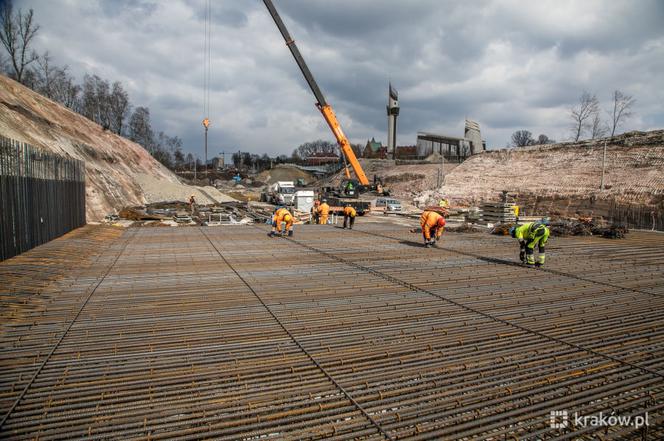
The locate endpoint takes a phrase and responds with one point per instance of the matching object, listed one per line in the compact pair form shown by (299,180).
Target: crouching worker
(281,215)
(433,225)
(349,217)
(529,235)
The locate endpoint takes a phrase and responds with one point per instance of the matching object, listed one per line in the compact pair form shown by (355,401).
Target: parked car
(388,204)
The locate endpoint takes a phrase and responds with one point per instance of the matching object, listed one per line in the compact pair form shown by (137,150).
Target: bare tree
(118,108)
(622,109)
(582,113)
(47,75)
(522,138)
(598,128)
(55,83)
(96,100)
(543,139)
(16,34)
(89,99)
(67,92)
(358,149)
(140,128)
(163,148)
(318,147)
(178,157)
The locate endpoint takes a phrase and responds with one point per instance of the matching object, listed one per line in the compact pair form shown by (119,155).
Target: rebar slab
(224,333)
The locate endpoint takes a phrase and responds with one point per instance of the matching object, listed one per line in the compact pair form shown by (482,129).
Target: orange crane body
(323,106)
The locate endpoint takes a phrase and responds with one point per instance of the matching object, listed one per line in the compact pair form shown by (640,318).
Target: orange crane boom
(321,104)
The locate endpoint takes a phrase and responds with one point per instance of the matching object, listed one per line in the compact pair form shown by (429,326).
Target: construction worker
(433,225)
(349,187)
(192,203)
(529,235)
(323,212)
(444,203)
(281,215)
(314,212)
(349,216)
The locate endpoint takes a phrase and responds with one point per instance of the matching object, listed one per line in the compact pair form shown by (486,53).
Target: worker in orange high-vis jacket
(349,217)
(433,225)
(314,212)
(281,215)
(323,212)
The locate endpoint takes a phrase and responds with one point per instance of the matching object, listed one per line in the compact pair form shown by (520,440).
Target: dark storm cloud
(510,65)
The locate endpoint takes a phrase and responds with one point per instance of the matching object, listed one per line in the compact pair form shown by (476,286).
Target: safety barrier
(42,196)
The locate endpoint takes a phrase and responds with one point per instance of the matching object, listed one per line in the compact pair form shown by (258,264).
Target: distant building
(472,134)
(216,163)
(374,149)
(406,152)
(392,113)
(452,148)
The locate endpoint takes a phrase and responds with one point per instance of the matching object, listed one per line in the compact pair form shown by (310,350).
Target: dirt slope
(284,172)
(112,163)
(634,171)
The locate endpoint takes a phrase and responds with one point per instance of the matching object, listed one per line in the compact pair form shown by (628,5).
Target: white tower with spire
(392,113)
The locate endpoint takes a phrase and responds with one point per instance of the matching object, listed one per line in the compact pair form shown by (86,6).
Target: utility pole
(441,173)
(601,183)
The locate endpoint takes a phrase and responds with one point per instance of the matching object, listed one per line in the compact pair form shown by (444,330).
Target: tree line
(586,117)
(107,104)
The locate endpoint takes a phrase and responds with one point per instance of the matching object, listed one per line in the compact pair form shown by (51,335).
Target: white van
(388,204)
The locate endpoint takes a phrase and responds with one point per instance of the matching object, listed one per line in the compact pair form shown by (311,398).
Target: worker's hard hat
(288,218)
(324,200)
(440,222)
(546,220)
(513,231)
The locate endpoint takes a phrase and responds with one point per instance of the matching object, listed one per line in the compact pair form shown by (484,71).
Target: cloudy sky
(509,65)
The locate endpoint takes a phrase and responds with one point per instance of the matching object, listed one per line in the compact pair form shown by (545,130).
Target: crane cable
(206,77)
(207,67)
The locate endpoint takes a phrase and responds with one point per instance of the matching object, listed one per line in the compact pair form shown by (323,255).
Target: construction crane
(321,104)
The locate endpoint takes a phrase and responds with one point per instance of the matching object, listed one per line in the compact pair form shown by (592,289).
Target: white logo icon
(558,419)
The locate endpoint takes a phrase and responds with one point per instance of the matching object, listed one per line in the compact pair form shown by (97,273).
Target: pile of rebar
(224,333)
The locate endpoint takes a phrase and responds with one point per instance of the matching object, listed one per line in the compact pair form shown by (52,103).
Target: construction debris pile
(173,213)
(177,213)
(465,227)
(574,227)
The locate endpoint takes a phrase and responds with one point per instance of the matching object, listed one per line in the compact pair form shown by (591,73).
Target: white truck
(281,193)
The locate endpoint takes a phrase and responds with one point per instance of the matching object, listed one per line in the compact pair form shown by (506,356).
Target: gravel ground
(159,190)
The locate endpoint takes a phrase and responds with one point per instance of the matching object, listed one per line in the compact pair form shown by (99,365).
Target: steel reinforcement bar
(224,333)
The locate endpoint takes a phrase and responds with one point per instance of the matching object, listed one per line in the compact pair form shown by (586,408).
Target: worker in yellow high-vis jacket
(349,216)
(281,216)
(323,212)
(530,235)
